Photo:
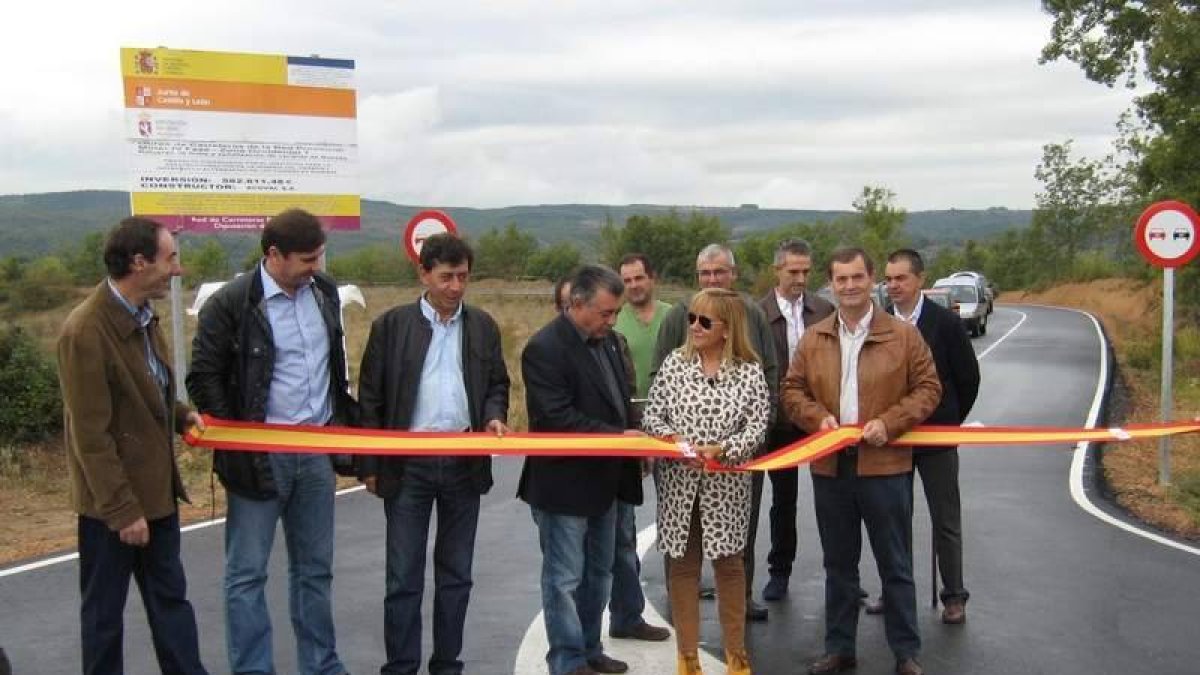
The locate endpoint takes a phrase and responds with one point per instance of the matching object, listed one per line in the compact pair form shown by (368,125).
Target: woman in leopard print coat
(712,394)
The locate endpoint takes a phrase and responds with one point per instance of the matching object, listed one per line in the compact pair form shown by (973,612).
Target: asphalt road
(1054,589)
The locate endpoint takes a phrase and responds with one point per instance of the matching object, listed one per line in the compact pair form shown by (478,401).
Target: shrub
(32,407)
(46,284)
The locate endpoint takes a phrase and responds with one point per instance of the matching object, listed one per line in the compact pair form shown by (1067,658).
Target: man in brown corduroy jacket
(120,415)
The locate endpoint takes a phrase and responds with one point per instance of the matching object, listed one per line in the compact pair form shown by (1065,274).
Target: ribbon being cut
(258,437)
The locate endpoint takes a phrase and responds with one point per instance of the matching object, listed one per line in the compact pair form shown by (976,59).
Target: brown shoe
(832,663)
(606,664)
(909,666)
(955,612)
(642,631)
(875,607)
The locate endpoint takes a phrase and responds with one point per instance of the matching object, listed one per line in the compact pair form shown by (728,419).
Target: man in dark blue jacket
(432,365)
(575,381)
(268,348)
(958,370)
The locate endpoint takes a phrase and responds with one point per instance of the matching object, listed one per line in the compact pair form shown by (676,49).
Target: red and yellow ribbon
(253,436)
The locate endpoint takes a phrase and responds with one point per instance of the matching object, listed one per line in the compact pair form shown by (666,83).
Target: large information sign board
(222,141)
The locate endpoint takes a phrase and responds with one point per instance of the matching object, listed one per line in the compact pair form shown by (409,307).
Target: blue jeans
(884,504)
(105,566)
(627,602)
(305,505)
(577,560)
(426,481)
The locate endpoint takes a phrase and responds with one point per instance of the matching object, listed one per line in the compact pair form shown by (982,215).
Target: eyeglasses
(705,322)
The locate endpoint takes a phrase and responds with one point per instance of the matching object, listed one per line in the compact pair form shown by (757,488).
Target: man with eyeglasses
(716,268)
(789,310)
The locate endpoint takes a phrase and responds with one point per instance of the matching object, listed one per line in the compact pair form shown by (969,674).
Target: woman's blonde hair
(726,306)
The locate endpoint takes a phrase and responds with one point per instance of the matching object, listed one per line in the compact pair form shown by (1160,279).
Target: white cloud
(787,104)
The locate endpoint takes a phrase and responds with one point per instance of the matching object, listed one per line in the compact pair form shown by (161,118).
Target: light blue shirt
(442,396)
(143,316)
(300,379)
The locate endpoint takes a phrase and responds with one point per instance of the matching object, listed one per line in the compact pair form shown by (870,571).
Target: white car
(985,287)
(972,302)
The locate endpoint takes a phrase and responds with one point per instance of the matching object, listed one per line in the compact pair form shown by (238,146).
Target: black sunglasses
(705,322)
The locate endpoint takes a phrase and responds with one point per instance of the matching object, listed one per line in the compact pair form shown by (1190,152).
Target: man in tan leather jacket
(862,366)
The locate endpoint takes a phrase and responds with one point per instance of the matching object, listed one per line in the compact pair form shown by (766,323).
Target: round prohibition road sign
(423,225)
(1166,234)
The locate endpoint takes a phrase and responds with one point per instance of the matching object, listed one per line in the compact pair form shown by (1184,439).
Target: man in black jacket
(958,370)
(575,383)
(268,348)
(432,365)
(789,309)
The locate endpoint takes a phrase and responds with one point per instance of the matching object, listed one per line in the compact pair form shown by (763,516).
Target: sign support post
(1166,236)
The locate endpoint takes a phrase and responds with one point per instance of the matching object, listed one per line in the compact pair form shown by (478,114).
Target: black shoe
(875,607)
(607,664)
(707,592)
(755,612)
(776,589)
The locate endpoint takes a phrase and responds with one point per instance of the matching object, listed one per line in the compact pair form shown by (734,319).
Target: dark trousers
(939,478)
(426,482)
(105,566)
(785,484)
(884,504)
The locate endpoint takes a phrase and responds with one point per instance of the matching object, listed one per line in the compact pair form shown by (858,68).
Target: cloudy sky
(783,103)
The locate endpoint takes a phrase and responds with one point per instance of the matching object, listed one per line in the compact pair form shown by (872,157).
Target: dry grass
(33,489)
(1131,314)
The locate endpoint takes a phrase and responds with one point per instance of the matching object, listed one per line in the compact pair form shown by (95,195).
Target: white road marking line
(1081,449)
(68,557)
(1005,336)
(643,657)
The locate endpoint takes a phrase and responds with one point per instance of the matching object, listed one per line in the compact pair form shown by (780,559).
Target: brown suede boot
(737,662)
(689,664)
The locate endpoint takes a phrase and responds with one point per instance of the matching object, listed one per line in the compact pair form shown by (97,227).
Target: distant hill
(36,224)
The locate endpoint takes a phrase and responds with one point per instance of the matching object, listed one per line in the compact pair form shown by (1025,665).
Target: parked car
(986,289)
(942,297)
(972,302)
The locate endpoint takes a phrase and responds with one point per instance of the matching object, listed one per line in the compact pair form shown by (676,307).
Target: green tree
(670,240)
(86,260)
(1079,197)
(882,220)
(1153,45)
(553,262)
(209,262)
(504,253)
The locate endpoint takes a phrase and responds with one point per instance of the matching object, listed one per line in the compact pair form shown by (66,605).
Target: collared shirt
(442,395)
(596,347)
(851,339)
(642,338)
(916,313)
(144,316)
(299,391)
(793,314)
